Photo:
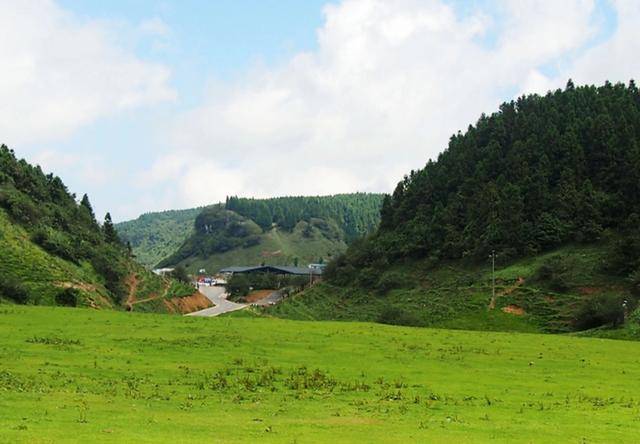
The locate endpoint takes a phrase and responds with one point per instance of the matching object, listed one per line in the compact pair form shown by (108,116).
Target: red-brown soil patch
(187,304)
(514,310)
(257,295)
(132,284)
(588,290)
(505,292)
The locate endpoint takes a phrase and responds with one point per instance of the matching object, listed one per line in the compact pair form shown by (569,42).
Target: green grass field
(103,376)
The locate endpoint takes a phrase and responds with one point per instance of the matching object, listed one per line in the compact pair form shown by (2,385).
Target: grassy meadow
(103,376)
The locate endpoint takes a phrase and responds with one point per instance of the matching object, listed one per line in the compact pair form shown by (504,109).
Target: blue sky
(149,105)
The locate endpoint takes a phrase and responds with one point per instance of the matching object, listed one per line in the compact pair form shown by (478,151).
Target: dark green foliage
(57,243)
(155,236)
(180,274)
(390,280)
(397,316)
(541,172)
(601,310)
(216,230)
(110,234)
(68,297)
(553,274)
(13,290)
(238,285)
(324,223)
(355,214)
(634,281)
(42,205)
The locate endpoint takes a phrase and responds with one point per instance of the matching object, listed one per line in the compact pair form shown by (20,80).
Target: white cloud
(387,86)
(60,73)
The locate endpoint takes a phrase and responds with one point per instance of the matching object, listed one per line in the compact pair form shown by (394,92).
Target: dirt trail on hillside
(151,298)
(93,298)
(505,292)
(132,284)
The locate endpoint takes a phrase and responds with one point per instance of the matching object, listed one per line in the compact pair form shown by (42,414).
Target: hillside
(103,376)
(155,236)
(542,173)
(560,291)
(276,231)
(55,252)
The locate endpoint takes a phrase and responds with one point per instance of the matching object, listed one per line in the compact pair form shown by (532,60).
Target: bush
(14,291)
(634,280)
(56,243)
(238,285)
(398,316)
(390,280)
(554,274)
(108,262)
(180,274)
(601,310)
(68,297)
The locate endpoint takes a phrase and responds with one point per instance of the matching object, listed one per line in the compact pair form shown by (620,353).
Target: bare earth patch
(257,295)
(188,304)
(514,310)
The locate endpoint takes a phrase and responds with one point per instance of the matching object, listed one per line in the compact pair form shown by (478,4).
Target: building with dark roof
(275,269)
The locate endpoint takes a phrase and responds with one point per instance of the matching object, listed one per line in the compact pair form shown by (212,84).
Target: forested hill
(53,251)
(284,230)
(154,236)
(356,214)
(539,173)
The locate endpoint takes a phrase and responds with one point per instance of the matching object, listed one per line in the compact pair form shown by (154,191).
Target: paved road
(219,298)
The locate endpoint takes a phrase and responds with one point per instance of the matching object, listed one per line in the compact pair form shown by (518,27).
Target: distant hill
(54,252)
(280,231)
(541,174)
(155,236)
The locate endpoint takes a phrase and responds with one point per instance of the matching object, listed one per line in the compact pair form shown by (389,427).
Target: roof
(272,269)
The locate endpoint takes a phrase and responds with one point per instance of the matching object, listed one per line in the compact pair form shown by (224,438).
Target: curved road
(219,299)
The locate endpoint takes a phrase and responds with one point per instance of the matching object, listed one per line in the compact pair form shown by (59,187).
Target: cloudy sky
(151,104)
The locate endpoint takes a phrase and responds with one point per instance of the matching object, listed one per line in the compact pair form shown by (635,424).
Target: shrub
(398,316)
(238,285)
(601,310)
(634,280)
(180,274)
(14,290)
(554,274)
(68,297)
(390,280)
(108,262)
(56,243)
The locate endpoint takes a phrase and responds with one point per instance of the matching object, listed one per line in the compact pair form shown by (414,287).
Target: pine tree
(109,231)
(84,203)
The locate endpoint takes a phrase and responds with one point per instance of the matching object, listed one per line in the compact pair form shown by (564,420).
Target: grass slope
(276,247)
(44,274)
(73,375)
(457,296)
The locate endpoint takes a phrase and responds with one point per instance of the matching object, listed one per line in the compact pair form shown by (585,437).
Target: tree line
(356,214)
(541,172)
